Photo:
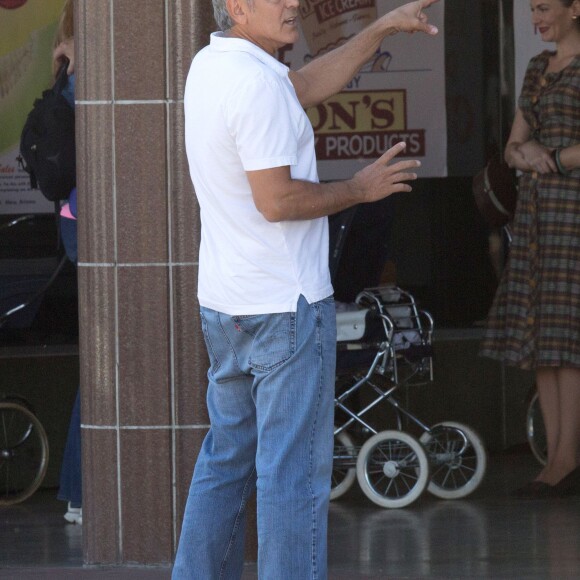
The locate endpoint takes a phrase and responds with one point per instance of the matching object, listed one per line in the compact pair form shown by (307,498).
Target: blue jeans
(71,482)
(270,400)
(71,485)
(68,235)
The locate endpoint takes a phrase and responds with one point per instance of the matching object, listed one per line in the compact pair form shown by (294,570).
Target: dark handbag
(496,192)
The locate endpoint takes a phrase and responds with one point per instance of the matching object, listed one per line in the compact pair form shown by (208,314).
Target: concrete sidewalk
(487,535)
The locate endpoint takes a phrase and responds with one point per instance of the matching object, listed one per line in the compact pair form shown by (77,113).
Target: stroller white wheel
(392,469)
(343,465)
(457,457)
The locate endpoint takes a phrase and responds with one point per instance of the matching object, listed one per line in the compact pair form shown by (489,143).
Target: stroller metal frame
(391,340)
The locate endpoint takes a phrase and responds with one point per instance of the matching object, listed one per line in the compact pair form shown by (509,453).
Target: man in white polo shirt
(264,286)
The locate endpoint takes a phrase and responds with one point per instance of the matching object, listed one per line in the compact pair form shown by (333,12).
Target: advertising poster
(27,29)
(528,41)
(399,94)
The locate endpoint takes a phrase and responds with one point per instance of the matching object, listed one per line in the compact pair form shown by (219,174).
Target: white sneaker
(74,515)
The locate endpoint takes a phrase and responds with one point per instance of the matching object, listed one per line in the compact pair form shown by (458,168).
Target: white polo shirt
(242,114)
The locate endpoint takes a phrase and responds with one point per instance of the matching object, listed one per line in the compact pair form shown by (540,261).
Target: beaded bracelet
(556,156)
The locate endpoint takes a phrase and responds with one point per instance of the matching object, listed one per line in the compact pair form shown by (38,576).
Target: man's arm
(300,200)
(328,74)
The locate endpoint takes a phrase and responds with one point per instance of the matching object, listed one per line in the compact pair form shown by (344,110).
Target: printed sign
(326,24)
(399,95)
(363,124)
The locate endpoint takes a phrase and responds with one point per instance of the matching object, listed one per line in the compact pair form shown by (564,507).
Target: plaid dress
(535,318)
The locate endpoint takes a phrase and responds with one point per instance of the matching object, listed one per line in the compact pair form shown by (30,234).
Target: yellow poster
(27,29)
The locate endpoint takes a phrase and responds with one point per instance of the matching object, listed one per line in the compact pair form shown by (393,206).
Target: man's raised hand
(383,178)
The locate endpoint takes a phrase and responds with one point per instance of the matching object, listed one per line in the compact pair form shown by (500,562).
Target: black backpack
(47,143)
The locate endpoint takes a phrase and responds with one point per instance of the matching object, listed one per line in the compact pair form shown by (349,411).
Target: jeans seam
(311,453)
(230,345)
(236,526)
(214,361)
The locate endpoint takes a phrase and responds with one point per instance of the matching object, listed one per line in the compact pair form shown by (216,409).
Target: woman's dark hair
(568,4)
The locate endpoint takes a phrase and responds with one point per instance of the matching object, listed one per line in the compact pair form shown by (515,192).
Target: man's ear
(237,10)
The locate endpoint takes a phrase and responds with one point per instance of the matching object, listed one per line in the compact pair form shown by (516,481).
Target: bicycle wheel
(23,453)
(535,431)
(392,469)
(457,457)
(343,465)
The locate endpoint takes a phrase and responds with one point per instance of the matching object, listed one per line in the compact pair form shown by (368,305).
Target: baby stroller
(384,345)
(23,281)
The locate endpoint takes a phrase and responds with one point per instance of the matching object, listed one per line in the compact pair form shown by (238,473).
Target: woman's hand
(65,51)
(538,157)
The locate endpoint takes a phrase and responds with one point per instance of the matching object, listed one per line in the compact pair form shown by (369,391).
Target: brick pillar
(143,362)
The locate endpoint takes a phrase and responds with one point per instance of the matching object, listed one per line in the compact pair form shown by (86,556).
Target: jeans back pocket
(273,338)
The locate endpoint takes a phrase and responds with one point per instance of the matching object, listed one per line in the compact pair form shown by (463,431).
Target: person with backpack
(70,489)
(47,140)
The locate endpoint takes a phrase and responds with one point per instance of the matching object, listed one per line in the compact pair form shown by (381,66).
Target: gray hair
(221,15)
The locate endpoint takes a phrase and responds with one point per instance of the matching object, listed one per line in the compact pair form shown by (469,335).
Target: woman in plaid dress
(534,322)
